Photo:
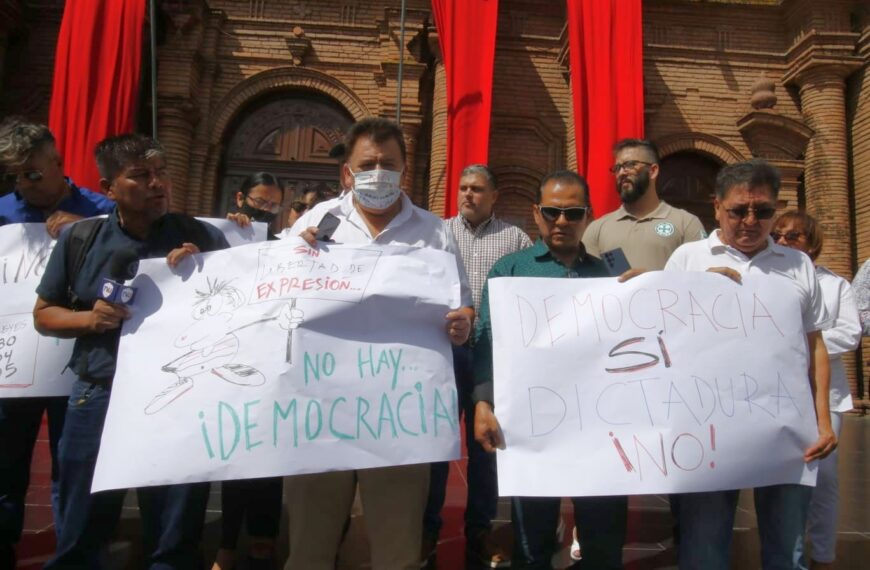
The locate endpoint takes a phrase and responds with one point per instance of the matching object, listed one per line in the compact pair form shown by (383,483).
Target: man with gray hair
(483,239)
(134,174)
(41,193)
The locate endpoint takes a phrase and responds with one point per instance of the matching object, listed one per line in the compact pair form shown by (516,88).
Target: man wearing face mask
(646,228)
(375,211)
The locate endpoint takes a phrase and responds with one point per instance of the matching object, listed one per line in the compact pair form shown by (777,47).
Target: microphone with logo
(123,266)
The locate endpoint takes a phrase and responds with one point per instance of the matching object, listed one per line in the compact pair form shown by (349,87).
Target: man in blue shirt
(42,194)
(134,174)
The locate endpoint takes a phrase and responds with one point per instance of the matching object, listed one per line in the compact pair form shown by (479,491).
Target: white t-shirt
(412,226)
(843,336)
(790,263)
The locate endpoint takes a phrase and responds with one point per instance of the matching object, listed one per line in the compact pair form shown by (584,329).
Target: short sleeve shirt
(81,202)
(412,226)
(647,242)
(775,259)
(94,355)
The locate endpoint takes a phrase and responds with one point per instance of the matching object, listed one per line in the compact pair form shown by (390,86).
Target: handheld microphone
(123,266)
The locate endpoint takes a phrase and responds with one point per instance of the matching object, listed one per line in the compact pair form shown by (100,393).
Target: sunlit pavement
(649,543)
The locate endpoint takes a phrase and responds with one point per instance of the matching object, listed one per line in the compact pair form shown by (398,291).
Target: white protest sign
(30,364)
(671,382)
(237,235)
(276,358)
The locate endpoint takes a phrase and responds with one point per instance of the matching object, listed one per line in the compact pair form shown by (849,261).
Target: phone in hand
(616,262)
(326,227)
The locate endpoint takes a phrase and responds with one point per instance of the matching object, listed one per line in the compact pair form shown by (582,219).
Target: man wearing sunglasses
(646,228)
(41,194)
(745,204)
(561,215)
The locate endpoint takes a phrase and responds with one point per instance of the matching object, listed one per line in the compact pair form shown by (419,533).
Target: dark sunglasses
(742,212)
(573,214)
(790,237)
(298,207)
(29,175)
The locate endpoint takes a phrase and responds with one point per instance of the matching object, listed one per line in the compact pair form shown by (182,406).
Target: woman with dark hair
(256,501)
(801,231)
(258,200)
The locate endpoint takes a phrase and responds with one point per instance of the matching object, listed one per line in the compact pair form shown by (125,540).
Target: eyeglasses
(574,214)
(298,206)
(629,165)
(29,175)
(742,212)
(790,237)
(266,205)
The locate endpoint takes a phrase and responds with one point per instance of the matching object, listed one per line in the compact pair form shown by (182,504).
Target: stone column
(175,124)
(411,130)
(826,175)
(438,154)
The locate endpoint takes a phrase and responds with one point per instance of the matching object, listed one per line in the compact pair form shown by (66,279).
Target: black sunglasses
(790,237)
(29,175)
(741,212)
(298,206)
(573,214)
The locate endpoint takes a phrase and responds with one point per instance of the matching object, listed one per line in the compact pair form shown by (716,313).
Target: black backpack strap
(81,238)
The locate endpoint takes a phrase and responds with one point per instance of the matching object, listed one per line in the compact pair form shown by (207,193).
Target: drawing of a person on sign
(212,343)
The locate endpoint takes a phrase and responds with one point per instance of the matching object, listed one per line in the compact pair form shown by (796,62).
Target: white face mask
(377,189)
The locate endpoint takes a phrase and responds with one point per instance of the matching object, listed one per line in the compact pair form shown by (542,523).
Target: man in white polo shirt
(646,228)
(745,204)
(375,211)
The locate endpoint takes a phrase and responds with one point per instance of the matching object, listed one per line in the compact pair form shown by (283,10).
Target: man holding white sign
(42,195)
(745,204)
(376,211)
(134,174)
(561,214)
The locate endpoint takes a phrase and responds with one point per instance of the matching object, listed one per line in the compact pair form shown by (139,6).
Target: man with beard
(647,229)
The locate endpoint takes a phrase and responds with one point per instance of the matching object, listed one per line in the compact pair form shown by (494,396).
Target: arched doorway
(290,135)
(688,181)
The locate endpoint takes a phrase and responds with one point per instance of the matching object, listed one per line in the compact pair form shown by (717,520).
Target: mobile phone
(326,227)
(616,262)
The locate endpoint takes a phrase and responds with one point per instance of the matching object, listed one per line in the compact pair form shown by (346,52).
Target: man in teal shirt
(561,214)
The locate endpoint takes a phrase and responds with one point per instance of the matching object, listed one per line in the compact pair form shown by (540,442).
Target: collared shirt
(647,241)
(861,285)
(411,226)
(94,355)
(536,261)
(790,263)
(482,246)
(80,201)
(844,335)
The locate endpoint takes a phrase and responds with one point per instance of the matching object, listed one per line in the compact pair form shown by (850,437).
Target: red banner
(466,31)
(96,80)
(606,44)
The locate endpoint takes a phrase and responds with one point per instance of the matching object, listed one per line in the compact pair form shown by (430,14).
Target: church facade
(248,85)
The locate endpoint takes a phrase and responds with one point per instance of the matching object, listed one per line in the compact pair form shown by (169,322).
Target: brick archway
(282,78)
(709,145)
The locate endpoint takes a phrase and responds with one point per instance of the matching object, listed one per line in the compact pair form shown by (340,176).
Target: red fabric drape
(466,30)
(96,80)
(606,44)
